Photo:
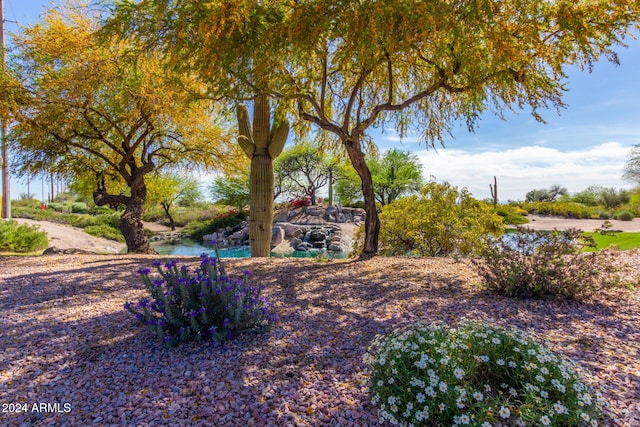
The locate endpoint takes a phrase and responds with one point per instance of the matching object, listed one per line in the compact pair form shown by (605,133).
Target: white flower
(544,370)
(545,420)
(409,406)
(391,380)
(486,424)
(513,392)
(500,362)
(495,340)
(391,400)
(393,408)
(584,416)
(464,419)
(586,398)
(504,412)
(442,406)
(512,364)
(487,388)
(484,358)
(460,403)
(560,408)
(442,386)
(478,396)
(458,373)
(420,397)
(540,378)
(430,391)
(380,383)
(544,394)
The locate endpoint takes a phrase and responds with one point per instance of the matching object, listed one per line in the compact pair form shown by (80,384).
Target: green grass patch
(623,241)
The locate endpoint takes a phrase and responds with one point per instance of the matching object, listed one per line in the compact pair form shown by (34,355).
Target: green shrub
(105,231)
(477,374)
(111,219)
(440,221)
(21,238)
(101,210)
(78,220)
(624,216)
(204,305)
(512,215)
(58,207)
(563,209)
(545,264)
(79,208)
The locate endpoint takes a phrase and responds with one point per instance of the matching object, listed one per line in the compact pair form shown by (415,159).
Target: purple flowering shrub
(200,305)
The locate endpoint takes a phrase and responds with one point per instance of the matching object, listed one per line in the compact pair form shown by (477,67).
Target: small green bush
(512,215)
(105,231)
(440,221)
(21,238)
(624,216)
(78,220)
(545,264)
(479,375)
(58,207)
(111,219)
(79,208)
(205,305)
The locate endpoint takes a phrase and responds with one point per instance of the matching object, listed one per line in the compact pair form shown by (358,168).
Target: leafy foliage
(477,374)
(395,174)
(205,304)
(231,190)
(546,195)
(563,209)
(303,170)
(441,221)
(545,264)
(21,238)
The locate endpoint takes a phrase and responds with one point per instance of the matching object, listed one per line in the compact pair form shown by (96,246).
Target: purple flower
(143,303)
(247,273)
(139,316)
(226,322)
(212,330)
(128,305)
(143,271)
(156,263)
(171,264)
(158,282)
(167,338)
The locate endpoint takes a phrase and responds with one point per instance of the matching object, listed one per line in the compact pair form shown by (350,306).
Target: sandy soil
(64,237)
(66,339)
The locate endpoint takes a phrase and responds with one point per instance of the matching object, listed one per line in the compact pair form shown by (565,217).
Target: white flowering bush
(477,374)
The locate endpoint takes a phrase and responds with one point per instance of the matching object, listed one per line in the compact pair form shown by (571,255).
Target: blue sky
(587,144)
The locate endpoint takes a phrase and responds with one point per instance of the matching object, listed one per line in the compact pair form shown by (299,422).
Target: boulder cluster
(302,229)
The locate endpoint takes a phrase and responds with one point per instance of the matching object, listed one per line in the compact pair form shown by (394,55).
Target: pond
(186,247)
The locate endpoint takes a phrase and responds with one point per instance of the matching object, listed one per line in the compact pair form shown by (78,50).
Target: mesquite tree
(87,108)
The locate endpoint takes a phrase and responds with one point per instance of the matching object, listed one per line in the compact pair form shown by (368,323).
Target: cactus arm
(278,138)
(247,146)
(244,125)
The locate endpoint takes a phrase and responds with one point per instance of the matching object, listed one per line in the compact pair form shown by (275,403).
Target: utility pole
(6,177)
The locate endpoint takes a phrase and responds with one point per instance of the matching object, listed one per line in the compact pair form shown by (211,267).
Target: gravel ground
(67,342)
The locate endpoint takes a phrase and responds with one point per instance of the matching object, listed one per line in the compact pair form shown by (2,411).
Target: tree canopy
(88,108)
(347,66)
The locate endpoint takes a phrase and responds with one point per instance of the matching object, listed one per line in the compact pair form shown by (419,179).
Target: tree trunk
(131,220)
(166,207)
(372,222)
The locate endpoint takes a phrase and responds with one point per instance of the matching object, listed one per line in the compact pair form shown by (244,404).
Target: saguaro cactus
(494,191)
(261,144)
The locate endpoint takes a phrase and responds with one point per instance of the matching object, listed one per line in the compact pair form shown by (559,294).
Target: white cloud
(522,169)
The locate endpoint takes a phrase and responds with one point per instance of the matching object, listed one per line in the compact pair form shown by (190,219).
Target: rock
(341,217)
(335,247)
(318,235)
(55,251)
(314,210)
(277,235)
(210,237)
(321,244)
